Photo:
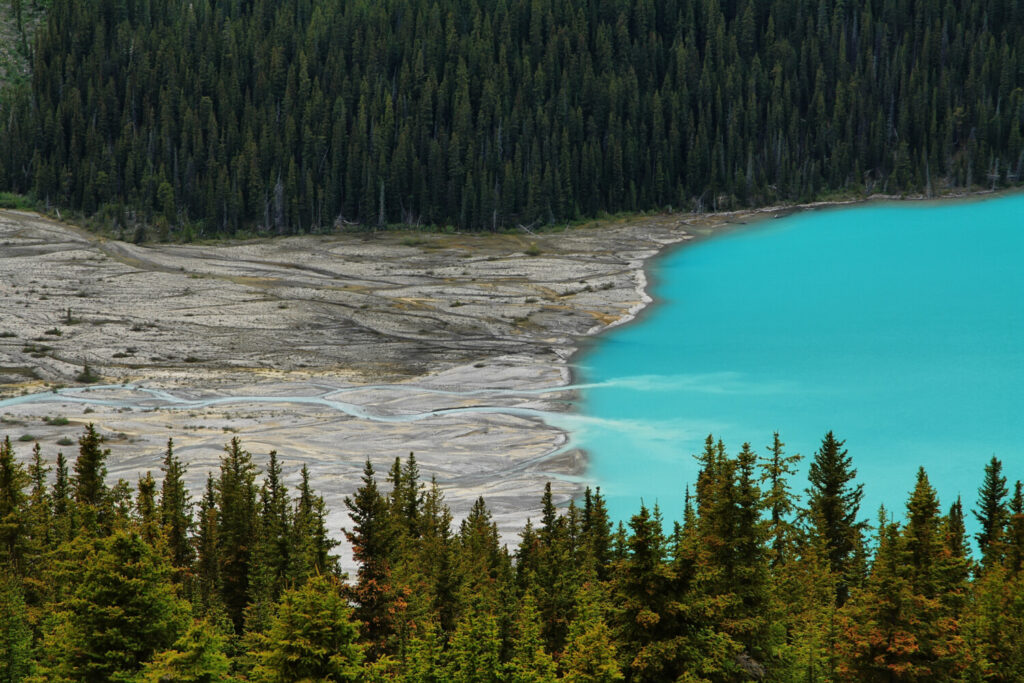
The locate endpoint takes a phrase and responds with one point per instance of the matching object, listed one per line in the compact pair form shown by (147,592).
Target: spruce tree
(1015,531)
(373,543)
(273,551)
(312,637)
(122,612)
(530,661)
(776,470)
(555,578)
(596,538)
(91,469)
(146,510)
(236,525)
(13,519)
(41,532)
(208,564)
(312,544)
(176,509)
(94,500)
(992,514)
(590,652)
(15,631)
(832,508)
(198,656)
(62,512)
(474,651)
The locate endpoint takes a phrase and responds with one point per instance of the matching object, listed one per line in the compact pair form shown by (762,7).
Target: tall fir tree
(176,509)
(13,517)
(833,503)
(992,514)
(236,525)
(373,543)
(91,493)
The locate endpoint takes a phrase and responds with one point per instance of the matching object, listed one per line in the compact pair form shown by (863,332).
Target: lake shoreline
(729,378)
(458,346)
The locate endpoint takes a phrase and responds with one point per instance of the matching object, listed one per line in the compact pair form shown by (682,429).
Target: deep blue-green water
(899,326)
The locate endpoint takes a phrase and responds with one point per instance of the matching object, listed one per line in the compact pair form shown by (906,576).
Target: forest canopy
(215,116)
(103,581)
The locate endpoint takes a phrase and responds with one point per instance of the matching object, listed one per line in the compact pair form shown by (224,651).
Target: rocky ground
(328,349)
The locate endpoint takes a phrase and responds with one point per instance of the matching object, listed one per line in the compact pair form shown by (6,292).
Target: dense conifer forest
(139,582)
(213,116)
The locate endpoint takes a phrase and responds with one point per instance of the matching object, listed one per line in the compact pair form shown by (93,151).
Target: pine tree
(198,656)
(530,662)
(176,509)
(146,510)
(373,542)
(590,652)
(207,567)
(778,501)
(92,495)
(833,505)
(236,523)
(1015,531)
(312,637)
(13,520)
(15,631)
(992,514)
(121,613)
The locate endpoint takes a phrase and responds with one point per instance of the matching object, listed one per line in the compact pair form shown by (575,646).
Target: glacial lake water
(899,326)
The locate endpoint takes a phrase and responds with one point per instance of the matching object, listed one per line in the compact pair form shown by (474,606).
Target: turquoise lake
(899,326)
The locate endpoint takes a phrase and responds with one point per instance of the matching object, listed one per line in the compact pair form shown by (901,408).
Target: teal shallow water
(900,326)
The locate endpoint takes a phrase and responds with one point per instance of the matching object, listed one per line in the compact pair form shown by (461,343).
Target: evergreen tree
(91,470)
(373,541)
(62,498)
(596,538)
(555,579)
(312,544)
(530,662)
(312,637)
(903,620)
(991,513)
(235,528)
(207,567)
(272,554)
(176,509)
(146,509)
(833,505)
(123,611)
(778,501)
(1015,531)
(198,656)
(13,521)
(474,652)
(489,116)
(94,500)
(15,632)
(590,652)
